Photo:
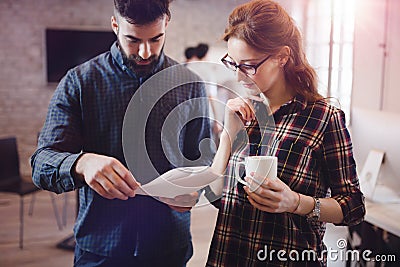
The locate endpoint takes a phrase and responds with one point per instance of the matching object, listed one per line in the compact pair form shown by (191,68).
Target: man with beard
(80,147)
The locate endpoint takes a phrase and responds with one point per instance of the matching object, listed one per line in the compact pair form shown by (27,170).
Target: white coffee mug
(262,166)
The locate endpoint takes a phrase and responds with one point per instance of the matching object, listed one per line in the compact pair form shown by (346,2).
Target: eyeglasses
(245,68)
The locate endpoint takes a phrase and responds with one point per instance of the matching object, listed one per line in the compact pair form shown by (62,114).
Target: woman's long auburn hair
(266,26)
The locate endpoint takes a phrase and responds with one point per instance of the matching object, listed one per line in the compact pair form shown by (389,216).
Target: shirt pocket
(297,164)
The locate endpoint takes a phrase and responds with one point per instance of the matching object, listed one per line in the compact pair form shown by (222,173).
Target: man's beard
(140,70)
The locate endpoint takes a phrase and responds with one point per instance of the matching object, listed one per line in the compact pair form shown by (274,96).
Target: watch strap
(316,212)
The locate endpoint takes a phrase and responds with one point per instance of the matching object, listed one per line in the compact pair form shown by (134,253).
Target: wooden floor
(42,233)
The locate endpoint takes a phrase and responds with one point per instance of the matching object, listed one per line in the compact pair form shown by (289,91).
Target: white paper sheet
(179,181)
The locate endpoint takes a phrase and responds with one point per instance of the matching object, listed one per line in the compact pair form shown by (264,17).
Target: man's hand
(107,176)
(181,203)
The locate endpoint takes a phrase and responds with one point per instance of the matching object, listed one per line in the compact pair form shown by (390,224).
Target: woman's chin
(253,92)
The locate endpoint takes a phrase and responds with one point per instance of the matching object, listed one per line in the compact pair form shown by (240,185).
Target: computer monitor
(379,130)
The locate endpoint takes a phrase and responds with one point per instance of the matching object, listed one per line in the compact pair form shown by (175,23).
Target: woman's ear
(283,55)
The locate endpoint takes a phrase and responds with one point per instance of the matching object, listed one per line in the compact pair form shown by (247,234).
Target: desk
(379,233)
(384,216)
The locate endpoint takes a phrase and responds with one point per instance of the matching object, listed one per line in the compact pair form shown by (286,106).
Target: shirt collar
(117,56)
(297,104)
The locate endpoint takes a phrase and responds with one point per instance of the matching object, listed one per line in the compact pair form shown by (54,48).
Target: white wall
(376,66)
(392,78)
(376,93)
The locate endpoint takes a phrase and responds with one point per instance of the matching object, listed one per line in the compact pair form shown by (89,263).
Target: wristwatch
(316,212)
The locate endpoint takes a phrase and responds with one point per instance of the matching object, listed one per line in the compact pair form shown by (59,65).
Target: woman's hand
(238,111)
(273,196)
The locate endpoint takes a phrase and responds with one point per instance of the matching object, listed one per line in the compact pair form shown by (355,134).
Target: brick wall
(24,93)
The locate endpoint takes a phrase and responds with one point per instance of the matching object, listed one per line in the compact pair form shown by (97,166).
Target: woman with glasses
(283,221)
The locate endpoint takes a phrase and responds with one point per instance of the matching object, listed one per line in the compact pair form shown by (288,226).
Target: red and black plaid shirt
(315,158)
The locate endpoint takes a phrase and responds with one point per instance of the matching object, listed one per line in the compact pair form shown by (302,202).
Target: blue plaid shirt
(86,114)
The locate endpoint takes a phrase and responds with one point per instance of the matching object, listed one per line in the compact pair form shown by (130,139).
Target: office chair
(12,182)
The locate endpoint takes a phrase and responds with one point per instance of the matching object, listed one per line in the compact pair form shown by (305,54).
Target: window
(328,28)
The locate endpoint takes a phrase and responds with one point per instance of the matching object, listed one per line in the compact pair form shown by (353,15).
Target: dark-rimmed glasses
(247,69)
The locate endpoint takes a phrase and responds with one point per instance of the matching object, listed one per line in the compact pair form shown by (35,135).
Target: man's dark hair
(202,50)
(190,52)
(142,12)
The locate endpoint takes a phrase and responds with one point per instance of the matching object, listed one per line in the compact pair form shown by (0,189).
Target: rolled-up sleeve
(340,170)
(60,141)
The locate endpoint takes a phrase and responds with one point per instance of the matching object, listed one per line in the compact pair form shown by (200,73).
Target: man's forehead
(159,21)
(149,30)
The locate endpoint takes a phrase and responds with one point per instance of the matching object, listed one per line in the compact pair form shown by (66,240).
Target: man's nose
(144,50)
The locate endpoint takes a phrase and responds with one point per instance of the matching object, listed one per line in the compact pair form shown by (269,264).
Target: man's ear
(114,25)
(166,21)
